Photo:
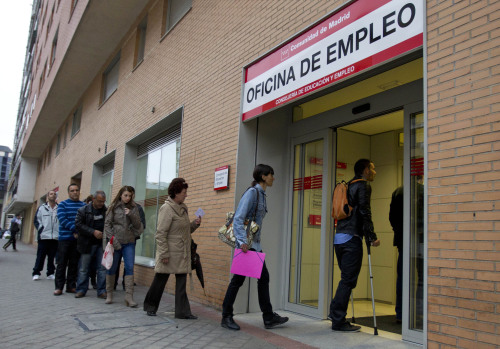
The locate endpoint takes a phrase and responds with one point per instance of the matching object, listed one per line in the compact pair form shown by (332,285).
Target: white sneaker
(51,277)
(36,277)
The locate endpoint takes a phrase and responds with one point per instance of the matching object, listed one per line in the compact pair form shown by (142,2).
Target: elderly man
(47,226)
(89,224)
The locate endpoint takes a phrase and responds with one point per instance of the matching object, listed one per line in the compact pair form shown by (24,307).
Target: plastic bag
(107,257)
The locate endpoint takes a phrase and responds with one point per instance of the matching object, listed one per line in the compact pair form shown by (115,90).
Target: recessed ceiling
(385,123)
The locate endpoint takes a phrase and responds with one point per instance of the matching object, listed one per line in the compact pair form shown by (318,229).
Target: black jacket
(396,216)
(359,223)
(84,222)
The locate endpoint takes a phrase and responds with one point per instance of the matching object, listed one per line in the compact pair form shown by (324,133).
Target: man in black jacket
(89,224)
(349,242)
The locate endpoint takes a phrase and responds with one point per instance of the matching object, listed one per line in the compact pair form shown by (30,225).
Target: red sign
(341,165)
(314,219)
(306,183)
(221,178)
(359,36)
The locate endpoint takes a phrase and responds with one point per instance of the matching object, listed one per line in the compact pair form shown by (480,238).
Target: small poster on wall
(221,178)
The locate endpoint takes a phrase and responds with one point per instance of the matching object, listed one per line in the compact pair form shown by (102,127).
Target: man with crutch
(348,242)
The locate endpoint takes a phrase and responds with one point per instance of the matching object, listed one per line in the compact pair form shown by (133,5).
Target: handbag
(226,232)
(107,257)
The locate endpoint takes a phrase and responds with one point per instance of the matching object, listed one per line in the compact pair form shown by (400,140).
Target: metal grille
(159,141)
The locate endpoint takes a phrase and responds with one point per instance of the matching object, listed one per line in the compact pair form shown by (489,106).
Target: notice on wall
(221,178)
(360,36)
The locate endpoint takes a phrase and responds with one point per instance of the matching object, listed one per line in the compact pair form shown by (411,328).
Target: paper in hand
(199,213)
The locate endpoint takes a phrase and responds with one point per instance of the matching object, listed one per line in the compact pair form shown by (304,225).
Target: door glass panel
(306,224)
(417,222)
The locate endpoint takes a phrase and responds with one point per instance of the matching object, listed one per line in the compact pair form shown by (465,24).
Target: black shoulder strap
(256,204)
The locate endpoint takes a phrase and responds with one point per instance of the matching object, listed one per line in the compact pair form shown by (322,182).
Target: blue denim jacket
(245,210)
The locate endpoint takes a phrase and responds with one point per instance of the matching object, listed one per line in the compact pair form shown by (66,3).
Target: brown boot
(129,291)
(110,284)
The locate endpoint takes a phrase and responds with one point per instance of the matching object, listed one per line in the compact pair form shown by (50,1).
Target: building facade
(138,92)
(5,161)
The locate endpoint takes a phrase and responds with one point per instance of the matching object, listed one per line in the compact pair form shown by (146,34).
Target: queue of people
(81,231)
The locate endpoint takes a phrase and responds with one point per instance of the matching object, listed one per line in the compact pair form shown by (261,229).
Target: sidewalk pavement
(31,317)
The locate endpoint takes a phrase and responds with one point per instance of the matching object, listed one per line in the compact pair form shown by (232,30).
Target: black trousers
(262,290)
(155,292)
(349,258)
(46,248)
(67,264)
(12,241)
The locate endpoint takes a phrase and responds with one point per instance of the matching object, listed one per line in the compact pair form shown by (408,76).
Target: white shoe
(51,277)
(36,277)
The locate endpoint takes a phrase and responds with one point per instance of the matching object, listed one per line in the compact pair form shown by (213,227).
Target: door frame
(408,97)
(407,333)
(326,237)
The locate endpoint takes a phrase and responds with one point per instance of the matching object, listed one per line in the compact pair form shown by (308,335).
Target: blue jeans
(84,270)
(128,253)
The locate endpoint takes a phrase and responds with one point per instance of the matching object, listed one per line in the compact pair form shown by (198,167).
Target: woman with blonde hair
(123,222)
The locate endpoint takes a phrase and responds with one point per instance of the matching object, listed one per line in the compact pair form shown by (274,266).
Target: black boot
(228,322)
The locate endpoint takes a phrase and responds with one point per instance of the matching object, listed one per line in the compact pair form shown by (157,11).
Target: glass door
(308,234)
(413,261)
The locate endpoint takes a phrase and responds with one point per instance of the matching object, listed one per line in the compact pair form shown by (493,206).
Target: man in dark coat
(89,224)
(349,242)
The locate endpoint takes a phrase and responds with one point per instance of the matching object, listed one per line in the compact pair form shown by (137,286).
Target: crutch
(375,331)
(353,320)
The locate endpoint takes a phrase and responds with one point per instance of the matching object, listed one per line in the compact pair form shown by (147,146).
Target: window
(173,11)
(54,48)
(157,165)
(75,127)
(73,5)
(108,171)
(49,23)
(65,135)
(42,76)
(58,144)
(49,155)
(140,41)
(110,78)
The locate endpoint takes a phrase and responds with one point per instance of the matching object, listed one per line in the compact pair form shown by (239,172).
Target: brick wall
(198,66)
(464,161)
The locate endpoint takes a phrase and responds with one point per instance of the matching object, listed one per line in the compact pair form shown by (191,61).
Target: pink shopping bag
(248,264)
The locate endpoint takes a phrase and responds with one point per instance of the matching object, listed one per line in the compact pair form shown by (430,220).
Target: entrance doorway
(380,139)
(394,142)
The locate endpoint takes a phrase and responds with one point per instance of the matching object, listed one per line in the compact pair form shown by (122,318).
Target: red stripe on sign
(341,74)
(355,11)
(306,183)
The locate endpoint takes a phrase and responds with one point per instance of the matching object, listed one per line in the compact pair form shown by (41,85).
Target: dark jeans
(46,248)
(67,264)
(349,258)
(153,297)
(399,285)
(12,241)
(86,260)
(262,290)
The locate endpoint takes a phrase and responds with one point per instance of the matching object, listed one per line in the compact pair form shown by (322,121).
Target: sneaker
(275,321)
(228,322)
(51,277)
(346,327)
(36,277)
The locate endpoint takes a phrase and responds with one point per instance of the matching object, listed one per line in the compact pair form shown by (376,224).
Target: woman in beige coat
(173,251)
(124,223)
